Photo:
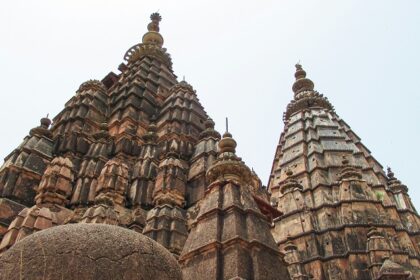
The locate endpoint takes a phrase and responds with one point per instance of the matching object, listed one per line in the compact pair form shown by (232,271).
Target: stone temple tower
(137,150)
(131,181)
(342,216)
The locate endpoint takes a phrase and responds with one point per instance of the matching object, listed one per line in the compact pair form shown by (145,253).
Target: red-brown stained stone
(134,149)
(230,238)
(331,191)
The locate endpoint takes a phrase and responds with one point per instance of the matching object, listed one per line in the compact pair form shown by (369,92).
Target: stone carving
(137,150)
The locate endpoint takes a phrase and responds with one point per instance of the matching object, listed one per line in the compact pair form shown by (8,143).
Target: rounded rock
(88,251)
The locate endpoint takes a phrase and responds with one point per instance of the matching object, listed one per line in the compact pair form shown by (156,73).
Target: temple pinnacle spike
(156,17)
(153,37)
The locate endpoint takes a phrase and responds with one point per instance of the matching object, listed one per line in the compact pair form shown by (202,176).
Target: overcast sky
(238,55)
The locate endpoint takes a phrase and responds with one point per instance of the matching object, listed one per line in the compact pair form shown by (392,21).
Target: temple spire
(230,238)
(394,184)
(153,36)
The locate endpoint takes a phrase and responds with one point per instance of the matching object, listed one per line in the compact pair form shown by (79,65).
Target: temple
(342,216)
(134,161)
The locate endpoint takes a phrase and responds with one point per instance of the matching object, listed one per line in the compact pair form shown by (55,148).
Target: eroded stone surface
(87,251)
(134,149)
(230,238)
(332,193)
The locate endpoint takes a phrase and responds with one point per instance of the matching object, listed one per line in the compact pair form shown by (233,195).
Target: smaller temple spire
(43,128)
(223,237)
(228,165)
(394,184)
(45,122)
(209,124)
(153,36)
(389,172)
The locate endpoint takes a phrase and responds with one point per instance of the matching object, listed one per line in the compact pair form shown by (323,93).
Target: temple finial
(300,73)
(153,36)
(390,174)
(298,65)
(154,25)
(45,122)
(227,133)
(302,83)
(227,143)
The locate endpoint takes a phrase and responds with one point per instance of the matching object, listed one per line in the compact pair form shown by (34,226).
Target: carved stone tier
(230,238)
(24,167)
(167,224)
(331,190)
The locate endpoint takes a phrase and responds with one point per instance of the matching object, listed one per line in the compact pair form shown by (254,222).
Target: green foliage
(379,195)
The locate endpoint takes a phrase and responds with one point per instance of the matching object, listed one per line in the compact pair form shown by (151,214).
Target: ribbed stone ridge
(331,190)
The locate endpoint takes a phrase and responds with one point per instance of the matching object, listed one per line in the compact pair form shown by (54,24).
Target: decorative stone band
(306,100)
(153,37)
(182,86)
(170,197)
(290,185)
(227,243)
(350,172)
(229,166)
(343,256)
(355,225)
(138,51)
(94,85)
(222,211)
(344,201)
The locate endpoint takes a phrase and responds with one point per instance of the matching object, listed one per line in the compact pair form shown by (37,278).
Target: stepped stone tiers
(342,215)
(49,209)
(135,156)
(22,171)
(230,238)
(133,151)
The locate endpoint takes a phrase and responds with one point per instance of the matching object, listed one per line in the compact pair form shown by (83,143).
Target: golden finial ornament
(153,36)
(154,25)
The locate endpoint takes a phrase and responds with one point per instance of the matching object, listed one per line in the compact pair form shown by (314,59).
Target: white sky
(238,55)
